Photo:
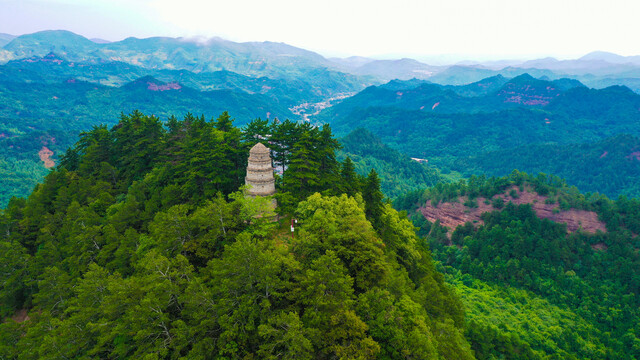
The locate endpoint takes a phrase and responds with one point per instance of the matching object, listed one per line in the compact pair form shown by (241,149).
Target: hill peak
(604,56)
(527,90)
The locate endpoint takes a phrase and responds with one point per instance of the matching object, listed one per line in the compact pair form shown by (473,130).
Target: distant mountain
(69,45)
(447,125)
(266,58)
(488,95)
(351,62)
(79,104)
(482,87)
(279,60)
(317,85)
(402,69)
(100,41)
(611,58)
(5,39)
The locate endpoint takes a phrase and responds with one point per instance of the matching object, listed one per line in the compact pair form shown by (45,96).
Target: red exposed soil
(635,154)
(45,155)
(528,95)
(20,316)
(453,214)
(169,86)
(599,247)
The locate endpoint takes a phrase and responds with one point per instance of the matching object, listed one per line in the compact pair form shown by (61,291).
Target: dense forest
(141,243)
(610,166)
(398,173)
(497,125)
(532,289)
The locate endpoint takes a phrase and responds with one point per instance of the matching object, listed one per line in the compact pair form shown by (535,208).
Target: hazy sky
(474,29)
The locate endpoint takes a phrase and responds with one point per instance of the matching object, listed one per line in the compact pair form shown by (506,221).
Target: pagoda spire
(260,172)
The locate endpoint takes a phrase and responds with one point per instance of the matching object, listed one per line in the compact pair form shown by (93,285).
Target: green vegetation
(531,289)
(558,127)
(141,244)
(610,166)
(398,173)
(47,100)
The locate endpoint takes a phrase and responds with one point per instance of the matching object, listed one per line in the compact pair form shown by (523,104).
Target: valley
(307,110)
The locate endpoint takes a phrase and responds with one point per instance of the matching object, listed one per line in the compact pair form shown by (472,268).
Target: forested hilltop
(398,173)
(142,244)
(544,271)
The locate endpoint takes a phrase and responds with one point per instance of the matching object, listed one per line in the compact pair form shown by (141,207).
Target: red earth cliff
(453,214)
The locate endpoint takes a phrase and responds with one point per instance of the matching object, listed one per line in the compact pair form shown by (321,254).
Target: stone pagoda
(260,172)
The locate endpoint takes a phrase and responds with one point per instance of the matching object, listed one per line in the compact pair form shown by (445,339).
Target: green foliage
(397,172)
(607,166)
(373,198)
(523,123)
(532,290)
(47,98)
(163,256)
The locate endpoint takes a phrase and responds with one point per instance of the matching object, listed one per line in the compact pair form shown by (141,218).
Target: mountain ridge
(276,59)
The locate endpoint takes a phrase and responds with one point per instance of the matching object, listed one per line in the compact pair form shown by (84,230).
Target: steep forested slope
(398,173)
(610,166)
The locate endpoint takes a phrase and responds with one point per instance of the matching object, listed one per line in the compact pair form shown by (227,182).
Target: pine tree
(284,136)
(302,177)
(350,180)
(329,170)
(372,195)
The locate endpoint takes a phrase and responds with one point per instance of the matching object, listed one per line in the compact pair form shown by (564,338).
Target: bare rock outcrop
(452,214)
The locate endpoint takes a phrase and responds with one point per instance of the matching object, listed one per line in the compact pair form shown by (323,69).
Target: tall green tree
(372,195)
(302,177)
(350,180)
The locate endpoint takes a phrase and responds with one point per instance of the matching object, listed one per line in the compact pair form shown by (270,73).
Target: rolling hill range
(53,69)
(273,60)
(279,60)
(518,117)
(54,84)
(38,118)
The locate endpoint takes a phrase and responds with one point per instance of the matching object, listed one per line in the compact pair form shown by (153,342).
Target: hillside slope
(143,244)
(544,270)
